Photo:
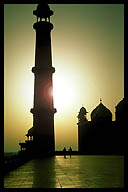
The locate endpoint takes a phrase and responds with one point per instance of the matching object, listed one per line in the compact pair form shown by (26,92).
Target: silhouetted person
(64,152)
(70,151)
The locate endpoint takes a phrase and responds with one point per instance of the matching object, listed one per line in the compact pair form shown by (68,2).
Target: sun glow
(64,92)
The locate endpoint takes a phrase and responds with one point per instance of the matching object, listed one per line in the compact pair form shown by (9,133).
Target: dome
(120,106)
(83,111)
(120,111)
(82,115)
(30,132)
(101,113)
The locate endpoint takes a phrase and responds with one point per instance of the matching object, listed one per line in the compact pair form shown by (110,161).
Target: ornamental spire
(43,11)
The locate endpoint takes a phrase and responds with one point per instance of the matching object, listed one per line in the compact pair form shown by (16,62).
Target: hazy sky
(87,53)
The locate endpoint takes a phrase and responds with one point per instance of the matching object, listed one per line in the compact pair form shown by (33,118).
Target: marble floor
(75,172)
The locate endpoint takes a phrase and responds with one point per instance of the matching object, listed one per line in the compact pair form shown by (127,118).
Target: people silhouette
(64,152)
(70,151)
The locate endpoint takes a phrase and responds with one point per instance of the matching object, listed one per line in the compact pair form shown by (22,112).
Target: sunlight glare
(64,92)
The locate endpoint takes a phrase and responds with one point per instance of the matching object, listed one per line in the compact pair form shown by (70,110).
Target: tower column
(43,110)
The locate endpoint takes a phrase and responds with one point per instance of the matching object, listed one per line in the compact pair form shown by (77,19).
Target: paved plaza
(74,172)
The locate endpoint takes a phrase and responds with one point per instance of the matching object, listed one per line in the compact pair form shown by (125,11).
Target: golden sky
(87,53)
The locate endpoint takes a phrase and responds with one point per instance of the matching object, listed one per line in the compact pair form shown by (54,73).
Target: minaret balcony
(43,70)
(32,110)
(43,26)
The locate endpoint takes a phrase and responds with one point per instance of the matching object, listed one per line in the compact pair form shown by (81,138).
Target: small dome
(83,111)
(101,113)
(30,132)
(120,111)
(120,106)
(43,10)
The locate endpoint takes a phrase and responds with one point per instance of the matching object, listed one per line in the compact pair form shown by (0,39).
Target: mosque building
(101,135)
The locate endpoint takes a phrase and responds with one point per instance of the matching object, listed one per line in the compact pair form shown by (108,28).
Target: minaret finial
(100,100)
(43,11)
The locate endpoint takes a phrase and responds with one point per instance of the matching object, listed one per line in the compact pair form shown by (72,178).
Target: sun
(64,92)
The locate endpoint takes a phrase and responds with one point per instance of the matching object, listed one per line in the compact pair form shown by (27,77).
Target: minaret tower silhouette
(43,110)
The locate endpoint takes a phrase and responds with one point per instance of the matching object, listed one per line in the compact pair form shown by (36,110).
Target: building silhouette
(40,138)
(101,135)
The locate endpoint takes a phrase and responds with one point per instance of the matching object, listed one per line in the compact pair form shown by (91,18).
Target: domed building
(28,144)
(82,115)
(101,113)
(101,135)
(120,111)
(30,133)
(120,125)
(82,123)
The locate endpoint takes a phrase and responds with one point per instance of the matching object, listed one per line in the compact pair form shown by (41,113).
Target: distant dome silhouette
(101,113)
(30,132)
(83,111)
(120,111)
(82,115)
(120,106)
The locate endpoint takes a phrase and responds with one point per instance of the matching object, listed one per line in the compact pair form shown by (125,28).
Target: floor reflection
(101,171)
(75,172)
(44,173)
(93,171)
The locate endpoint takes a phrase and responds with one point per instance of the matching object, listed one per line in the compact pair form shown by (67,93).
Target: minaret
(43,110)
(82,120)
